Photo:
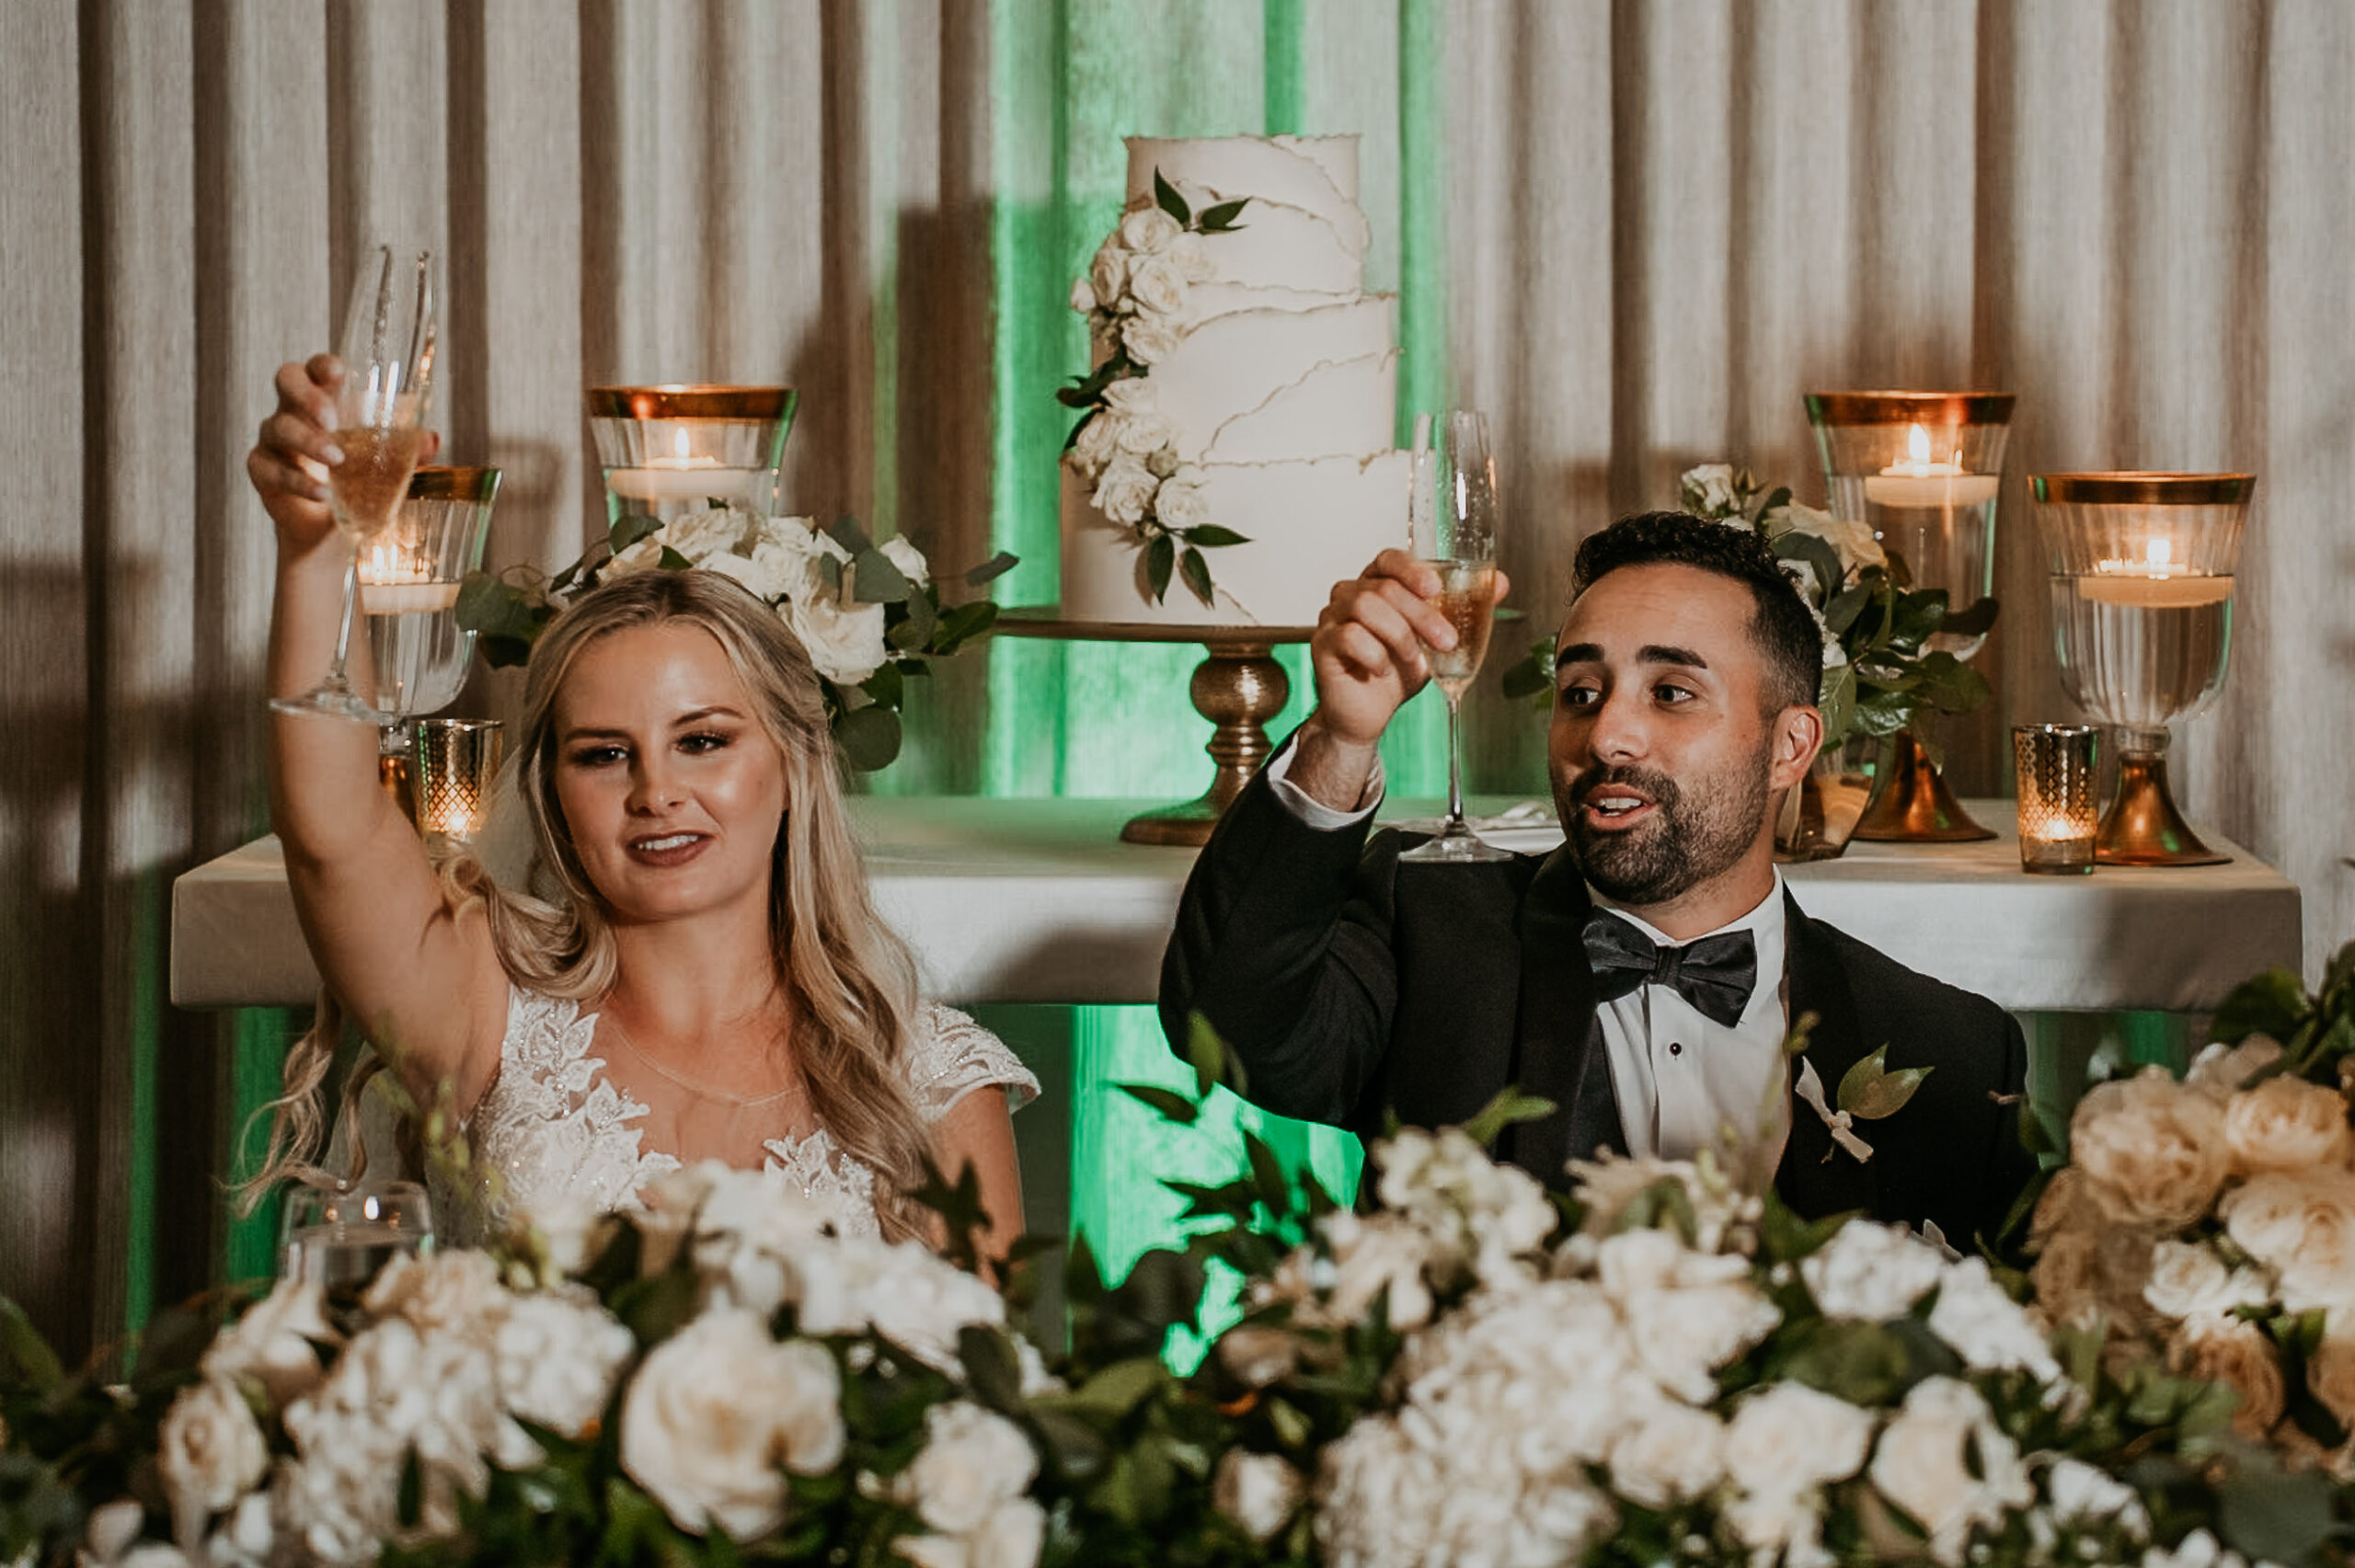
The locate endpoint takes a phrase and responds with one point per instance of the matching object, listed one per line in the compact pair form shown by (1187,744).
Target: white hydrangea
(1871,1271)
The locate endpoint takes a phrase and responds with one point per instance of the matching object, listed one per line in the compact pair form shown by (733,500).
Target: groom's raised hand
(1367,656)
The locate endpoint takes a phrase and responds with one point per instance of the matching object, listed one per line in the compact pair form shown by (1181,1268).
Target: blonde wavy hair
(851,975)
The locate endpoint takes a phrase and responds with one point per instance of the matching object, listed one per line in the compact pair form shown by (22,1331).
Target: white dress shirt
(1684,1082)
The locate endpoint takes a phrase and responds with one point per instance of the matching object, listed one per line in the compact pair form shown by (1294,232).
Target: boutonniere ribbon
(1868,1092)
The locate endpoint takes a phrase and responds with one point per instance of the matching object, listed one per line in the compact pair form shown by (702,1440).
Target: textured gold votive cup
(2057,766)
(457,762)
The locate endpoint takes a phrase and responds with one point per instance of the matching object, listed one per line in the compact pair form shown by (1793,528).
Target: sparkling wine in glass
(388,348)
(1453,516)
(342,1235)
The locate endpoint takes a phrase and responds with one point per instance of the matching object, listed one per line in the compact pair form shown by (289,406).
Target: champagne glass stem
(337,678)
(1455,824)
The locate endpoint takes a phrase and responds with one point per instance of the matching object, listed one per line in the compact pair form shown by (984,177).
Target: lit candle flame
(1917,445)
(679,445)
(2160,552)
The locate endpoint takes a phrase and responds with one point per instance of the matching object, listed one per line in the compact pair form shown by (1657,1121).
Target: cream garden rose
(273,1345)
(714,1412)
(2152,1151)
(2226,1350)
(2301,1225)
(2287,1124)
(210,1452)
(1926,1458)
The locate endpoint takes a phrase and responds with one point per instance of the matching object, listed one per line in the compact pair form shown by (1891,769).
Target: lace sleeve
(954,1056)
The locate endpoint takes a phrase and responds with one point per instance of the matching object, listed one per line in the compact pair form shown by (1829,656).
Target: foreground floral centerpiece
(1658,1368)
(870,615)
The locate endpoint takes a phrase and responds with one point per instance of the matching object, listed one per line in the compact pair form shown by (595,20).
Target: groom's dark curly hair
(1781,626)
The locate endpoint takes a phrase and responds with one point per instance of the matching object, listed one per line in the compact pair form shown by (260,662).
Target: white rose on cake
(1108,276)
(1124,491)
(1149,230)
(1138,425)
(1182,503)
(1149,339)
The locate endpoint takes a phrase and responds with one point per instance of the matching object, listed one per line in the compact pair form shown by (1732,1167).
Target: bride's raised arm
(423,983)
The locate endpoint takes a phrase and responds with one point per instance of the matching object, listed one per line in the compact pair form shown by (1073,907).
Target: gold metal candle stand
(1911,802)
(1238,687)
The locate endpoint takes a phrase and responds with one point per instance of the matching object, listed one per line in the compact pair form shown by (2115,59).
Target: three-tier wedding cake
(1237,445)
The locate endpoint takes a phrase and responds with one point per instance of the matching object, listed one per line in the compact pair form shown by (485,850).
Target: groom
(1644,977)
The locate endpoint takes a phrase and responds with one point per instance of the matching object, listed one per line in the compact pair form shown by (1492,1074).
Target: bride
(707,977)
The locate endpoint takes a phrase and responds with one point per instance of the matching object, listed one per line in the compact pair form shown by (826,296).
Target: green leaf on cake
(1211,536)
(1165,195)
(1160,559)
(1220,220)
(1196,573)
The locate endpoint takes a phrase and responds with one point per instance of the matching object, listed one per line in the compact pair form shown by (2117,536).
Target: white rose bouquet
(1135,296)
(870,615)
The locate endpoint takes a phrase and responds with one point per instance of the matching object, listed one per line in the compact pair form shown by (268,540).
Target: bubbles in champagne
(1465,593)
(371,481)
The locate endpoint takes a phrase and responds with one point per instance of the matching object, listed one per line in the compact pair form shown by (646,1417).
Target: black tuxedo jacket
(1349,984)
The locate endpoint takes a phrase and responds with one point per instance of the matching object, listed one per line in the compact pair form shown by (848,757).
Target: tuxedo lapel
(1816,1178)
(1556,1053)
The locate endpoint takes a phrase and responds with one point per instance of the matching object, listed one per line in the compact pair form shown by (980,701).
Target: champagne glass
(1452,514)
(388,350)
(341,1234)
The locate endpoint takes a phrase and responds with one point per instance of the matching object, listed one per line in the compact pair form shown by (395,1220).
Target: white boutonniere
(1868,1092)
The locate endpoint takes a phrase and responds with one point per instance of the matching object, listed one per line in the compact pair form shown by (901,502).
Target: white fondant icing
(1280,395)
(1310,525)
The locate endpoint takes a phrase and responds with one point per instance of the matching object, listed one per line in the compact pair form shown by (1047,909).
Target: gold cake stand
(1238,688)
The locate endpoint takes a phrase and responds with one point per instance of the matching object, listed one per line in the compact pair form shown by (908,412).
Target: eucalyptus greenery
(1881,677)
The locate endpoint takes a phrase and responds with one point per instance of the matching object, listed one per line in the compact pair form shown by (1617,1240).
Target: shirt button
(1675,1049)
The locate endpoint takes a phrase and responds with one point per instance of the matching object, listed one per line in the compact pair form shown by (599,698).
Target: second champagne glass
(1452,514)
(388,350)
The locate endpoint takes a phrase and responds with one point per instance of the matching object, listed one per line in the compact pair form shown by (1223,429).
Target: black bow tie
(1715,974)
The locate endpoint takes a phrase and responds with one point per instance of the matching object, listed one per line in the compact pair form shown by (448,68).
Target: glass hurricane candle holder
(2056,768)
(668,451)
(1921,470)
(2141,588)
(456,764)
(408,595)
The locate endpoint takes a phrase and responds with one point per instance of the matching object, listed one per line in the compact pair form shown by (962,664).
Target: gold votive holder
(2057,766)
(455,764)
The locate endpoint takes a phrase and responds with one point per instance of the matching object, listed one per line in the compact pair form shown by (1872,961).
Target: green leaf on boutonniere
(1196,573)
(1160,560)
(1869,1091)
(1165,197)
(1220,220)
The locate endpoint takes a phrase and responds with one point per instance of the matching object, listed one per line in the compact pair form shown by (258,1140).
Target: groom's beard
(1695,834)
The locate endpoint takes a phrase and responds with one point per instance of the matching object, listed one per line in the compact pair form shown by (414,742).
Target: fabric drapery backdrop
(1636,233)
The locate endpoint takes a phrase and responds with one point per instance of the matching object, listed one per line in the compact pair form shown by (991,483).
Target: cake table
(1238,687)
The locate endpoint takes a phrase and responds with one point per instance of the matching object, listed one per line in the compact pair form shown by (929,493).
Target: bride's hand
(290,461)
(289,464)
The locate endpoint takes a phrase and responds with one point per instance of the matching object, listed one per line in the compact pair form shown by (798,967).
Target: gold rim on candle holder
(480,485)
(1909,407)
(2128,487)
(700,401)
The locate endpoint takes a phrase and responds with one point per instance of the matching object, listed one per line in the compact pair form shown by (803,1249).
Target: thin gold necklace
(691,1085)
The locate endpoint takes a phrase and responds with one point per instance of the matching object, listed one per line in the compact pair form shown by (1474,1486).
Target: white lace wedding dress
(556,1127)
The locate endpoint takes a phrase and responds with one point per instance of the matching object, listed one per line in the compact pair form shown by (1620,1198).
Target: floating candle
(1919,482)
